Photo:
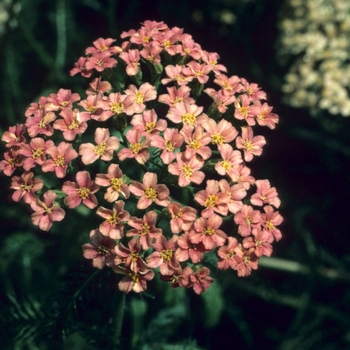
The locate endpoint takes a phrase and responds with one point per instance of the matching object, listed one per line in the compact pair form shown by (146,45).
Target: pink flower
(189,250)
(244,110)
(145,229)
(72,124)
(227,254)
(197,141)
(14,136)
(46,212)
(220,133)
(184,113)
(221,100)
(100,61)
(102,45)
(187,170)
(172,140)
(130,256)
(114,180)
(200,71)
(236,193)
(40,124)
(152,54)
(12,161)
(101,251)
(174,96)
(201,280)
(243,177)
(246,261)
(80,67)
(164,256)
(182,218)
(253,91)
(131,58)
(150,192)
(230,161)
(25,187)
(247,219)
(136,281)
(229,85)
(260,242)
(116,104)
(211,58)
(270,220)
(81,191)
(98,87)
(106,145)
(175,73)
(207,231)
(145,93)
(252,146)
(265,194)
(263,115)
(138,147)
(180,278)
(148,123)
(212,199)
(113,226)
(61,156)
(35,152)
(63,99)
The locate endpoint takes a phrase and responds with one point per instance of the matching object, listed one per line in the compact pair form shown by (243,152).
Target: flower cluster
(315,38)
(173,135)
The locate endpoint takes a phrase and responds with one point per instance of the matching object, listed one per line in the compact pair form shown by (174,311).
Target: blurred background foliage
(51,298)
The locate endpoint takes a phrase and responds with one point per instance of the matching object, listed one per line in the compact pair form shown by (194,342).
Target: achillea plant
(159,149)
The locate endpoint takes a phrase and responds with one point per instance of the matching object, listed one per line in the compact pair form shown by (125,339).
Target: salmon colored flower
(188,250)
(148,122)
(164,256)
(63,99)
(135,281)
(40,124)
(104,148)
(227,254)
(261,242)
(131,256)
(197,141)
(14,136)
(150,192)
(146,92)
(201,280)
(115,183)
(182,218)
(12,161)
(145,229)
(252,146)
(265,194)
(222,132)
(116,218)
(180,278)
(246,261)
(46,211)
(187,170)
(100,61)
(270,220)
(61,156)
(212,199)
(81,191)
(247,219)
(101,251)
(25,187)
(131,58)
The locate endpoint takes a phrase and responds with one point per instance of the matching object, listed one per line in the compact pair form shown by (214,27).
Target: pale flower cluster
(315,41)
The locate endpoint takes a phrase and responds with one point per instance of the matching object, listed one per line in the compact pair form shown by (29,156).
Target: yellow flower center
(226,164)
(113,219)
(248,220)
(134,256)
(244,111)
(37,153)
(177,100)
(248,145)
(135,148)
(116,183)
(134,277)
(26,187)
(60,161)
(188,118)
(269,225)
(117,107)
(211,201)
(151,193)
(100,149)
(139,97)
(102,250)
(230,254)
(150,126)
(145,229)
(169,146)
(166,43)
(74,124)
(83,192)
(42,124)
(187,171)
(90,108)
(246,260)
(166,254)
(209,231)
(195,144)
(217,139)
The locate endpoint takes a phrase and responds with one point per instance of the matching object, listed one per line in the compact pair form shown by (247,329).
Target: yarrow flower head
(162,161)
